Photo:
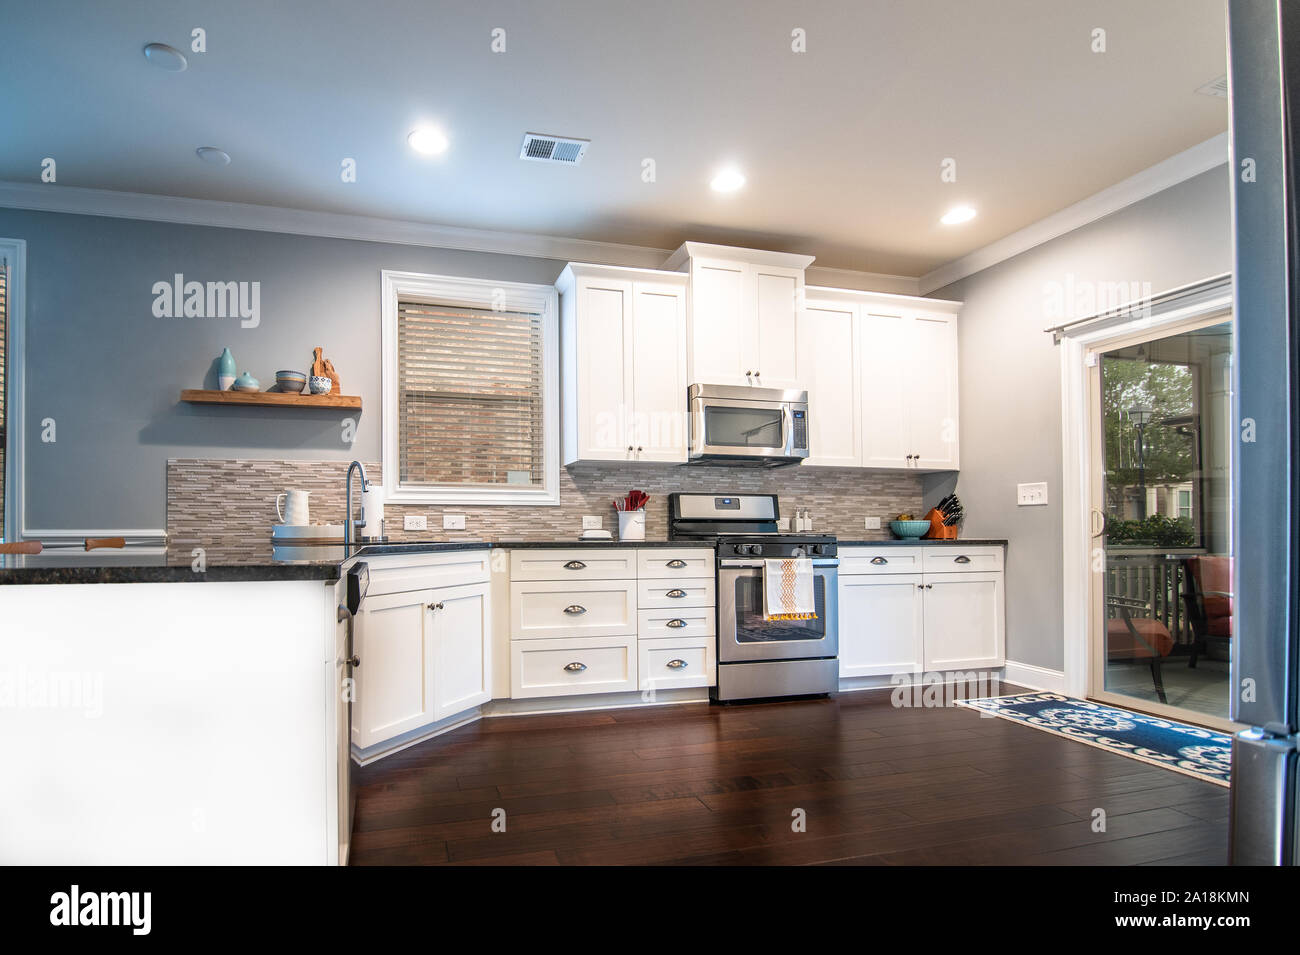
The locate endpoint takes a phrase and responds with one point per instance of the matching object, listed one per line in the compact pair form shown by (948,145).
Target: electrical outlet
(591,522)
(1031,495)
(415,522)
(453,522)
(871,523)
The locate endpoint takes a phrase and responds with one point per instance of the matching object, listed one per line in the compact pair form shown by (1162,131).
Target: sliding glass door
(1162,561)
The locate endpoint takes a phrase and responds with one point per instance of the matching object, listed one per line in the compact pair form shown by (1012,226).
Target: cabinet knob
(575,609)
(575,667)
(879,561)
(677,664)
(639,449)
(676,623)
(436,606)
(749,374)
(675,594)
(758,374)
(929,586)
(574,565)
(629,447)
(676,564)
(353,661)
(963,559)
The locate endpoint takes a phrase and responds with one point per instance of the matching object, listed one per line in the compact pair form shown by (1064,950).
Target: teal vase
(225,370)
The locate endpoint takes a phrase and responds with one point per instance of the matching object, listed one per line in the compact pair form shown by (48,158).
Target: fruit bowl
(909,529)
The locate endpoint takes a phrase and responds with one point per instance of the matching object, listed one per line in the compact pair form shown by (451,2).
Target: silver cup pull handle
(574,565)
(879,561)
(575,609)
(676,594)
(676,623)
(575,667)
(677,564)
(963,559)
(677,664)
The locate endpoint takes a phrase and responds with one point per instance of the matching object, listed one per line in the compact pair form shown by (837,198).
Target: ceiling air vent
(1217,87)
(561,149)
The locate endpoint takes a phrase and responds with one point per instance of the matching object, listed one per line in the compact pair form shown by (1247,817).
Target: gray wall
(109,373)
(1010,384)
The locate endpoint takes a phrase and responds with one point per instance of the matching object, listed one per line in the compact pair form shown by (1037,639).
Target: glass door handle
(1098,519)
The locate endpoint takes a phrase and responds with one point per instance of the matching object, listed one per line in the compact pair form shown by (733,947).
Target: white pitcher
(294,509)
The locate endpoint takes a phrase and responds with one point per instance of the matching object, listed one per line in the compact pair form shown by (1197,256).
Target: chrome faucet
(350,526)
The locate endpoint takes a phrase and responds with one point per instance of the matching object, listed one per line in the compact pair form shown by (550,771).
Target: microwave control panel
(800,429)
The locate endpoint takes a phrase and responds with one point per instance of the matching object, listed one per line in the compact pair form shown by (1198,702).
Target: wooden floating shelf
(277,399)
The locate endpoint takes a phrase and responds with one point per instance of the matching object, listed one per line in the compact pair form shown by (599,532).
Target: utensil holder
(631,525)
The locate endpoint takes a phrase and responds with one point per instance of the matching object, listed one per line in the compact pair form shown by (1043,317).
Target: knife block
(938,531)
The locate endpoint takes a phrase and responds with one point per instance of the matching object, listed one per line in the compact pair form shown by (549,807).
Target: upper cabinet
(900,355)
(744,314)
(623,337)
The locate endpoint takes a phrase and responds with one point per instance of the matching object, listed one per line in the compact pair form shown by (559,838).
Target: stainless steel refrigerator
(1264,72)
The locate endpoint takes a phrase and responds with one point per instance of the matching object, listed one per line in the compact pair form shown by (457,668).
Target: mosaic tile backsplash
(231,503)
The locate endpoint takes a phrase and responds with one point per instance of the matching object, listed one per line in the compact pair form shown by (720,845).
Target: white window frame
(471,293)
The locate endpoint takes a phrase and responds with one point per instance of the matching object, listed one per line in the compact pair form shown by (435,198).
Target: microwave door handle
(787,430)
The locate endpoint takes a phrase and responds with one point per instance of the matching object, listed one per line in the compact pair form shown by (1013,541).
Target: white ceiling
(842,144)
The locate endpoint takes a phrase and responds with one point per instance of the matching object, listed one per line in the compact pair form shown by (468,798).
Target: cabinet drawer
(880,560)
(679,622)
(401,573)
(675,593)
(655,562)
(950,559)
(572,667)
(592,563)
(664,664)
(547,608)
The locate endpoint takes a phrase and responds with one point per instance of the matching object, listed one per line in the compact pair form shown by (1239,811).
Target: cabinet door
(658,361)
(828,369)
(720,334)
(880,624)
(886,370)
(462,665)
(932,407)
(604,320)
(394,641)
(777,295)
(964,622)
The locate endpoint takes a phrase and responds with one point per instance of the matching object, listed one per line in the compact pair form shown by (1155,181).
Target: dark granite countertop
(260,562)
(923,542)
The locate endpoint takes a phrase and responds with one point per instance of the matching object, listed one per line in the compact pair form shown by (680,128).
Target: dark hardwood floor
(708,785)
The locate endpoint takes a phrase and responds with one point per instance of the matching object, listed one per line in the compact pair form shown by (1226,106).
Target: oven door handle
(748,564)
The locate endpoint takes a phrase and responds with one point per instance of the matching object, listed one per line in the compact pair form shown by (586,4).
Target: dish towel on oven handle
(788,589)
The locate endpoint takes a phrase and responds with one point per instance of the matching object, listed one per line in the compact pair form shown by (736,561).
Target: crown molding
(862,281)
(1178,168)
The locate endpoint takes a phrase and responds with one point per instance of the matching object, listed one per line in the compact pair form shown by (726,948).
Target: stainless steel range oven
(760,658)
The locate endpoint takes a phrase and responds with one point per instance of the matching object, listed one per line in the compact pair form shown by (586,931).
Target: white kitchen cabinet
(744,314)
(882,624)
(964,620)
(623,345)
(828,370)
(424,656)
(894,618)
(932,397)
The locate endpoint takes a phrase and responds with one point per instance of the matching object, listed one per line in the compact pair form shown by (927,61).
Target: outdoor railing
(1157,578)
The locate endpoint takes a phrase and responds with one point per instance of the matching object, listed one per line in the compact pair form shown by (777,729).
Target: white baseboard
(1034,677)
(597,701)
(364,757)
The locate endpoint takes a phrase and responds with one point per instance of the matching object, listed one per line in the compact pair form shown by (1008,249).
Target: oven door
(735,428)
(743,634)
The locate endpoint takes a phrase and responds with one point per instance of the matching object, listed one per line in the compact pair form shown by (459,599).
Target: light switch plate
(415,522)
(591,522)
(872,523)
(1031,495)
(453,522)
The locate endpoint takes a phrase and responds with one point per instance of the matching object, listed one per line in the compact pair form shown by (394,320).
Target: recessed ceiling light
(427,140)
(165,57)
(957,215)
(213,155)
(727,180)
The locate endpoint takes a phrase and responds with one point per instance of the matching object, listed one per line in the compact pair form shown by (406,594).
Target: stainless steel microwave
(739,424)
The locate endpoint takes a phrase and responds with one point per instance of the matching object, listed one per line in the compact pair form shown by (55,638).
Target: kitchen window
(470,391)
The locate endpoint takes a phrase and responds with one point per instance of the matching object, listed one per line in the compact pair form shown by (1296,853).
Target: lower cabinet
(568,667)
(893,622)
(424,656)
(671,663)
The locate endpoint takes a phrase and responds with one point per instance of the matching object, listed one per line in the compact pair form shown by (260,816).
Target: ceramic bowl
(909,529)
(320,385)
(291,381)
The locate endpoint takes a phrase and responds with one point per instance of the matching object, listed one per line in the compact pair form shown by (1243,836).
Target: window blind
(469,396)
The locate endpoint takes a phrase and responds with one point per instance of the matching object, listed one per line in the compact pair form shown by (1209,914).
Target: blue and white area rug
(1191,750)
